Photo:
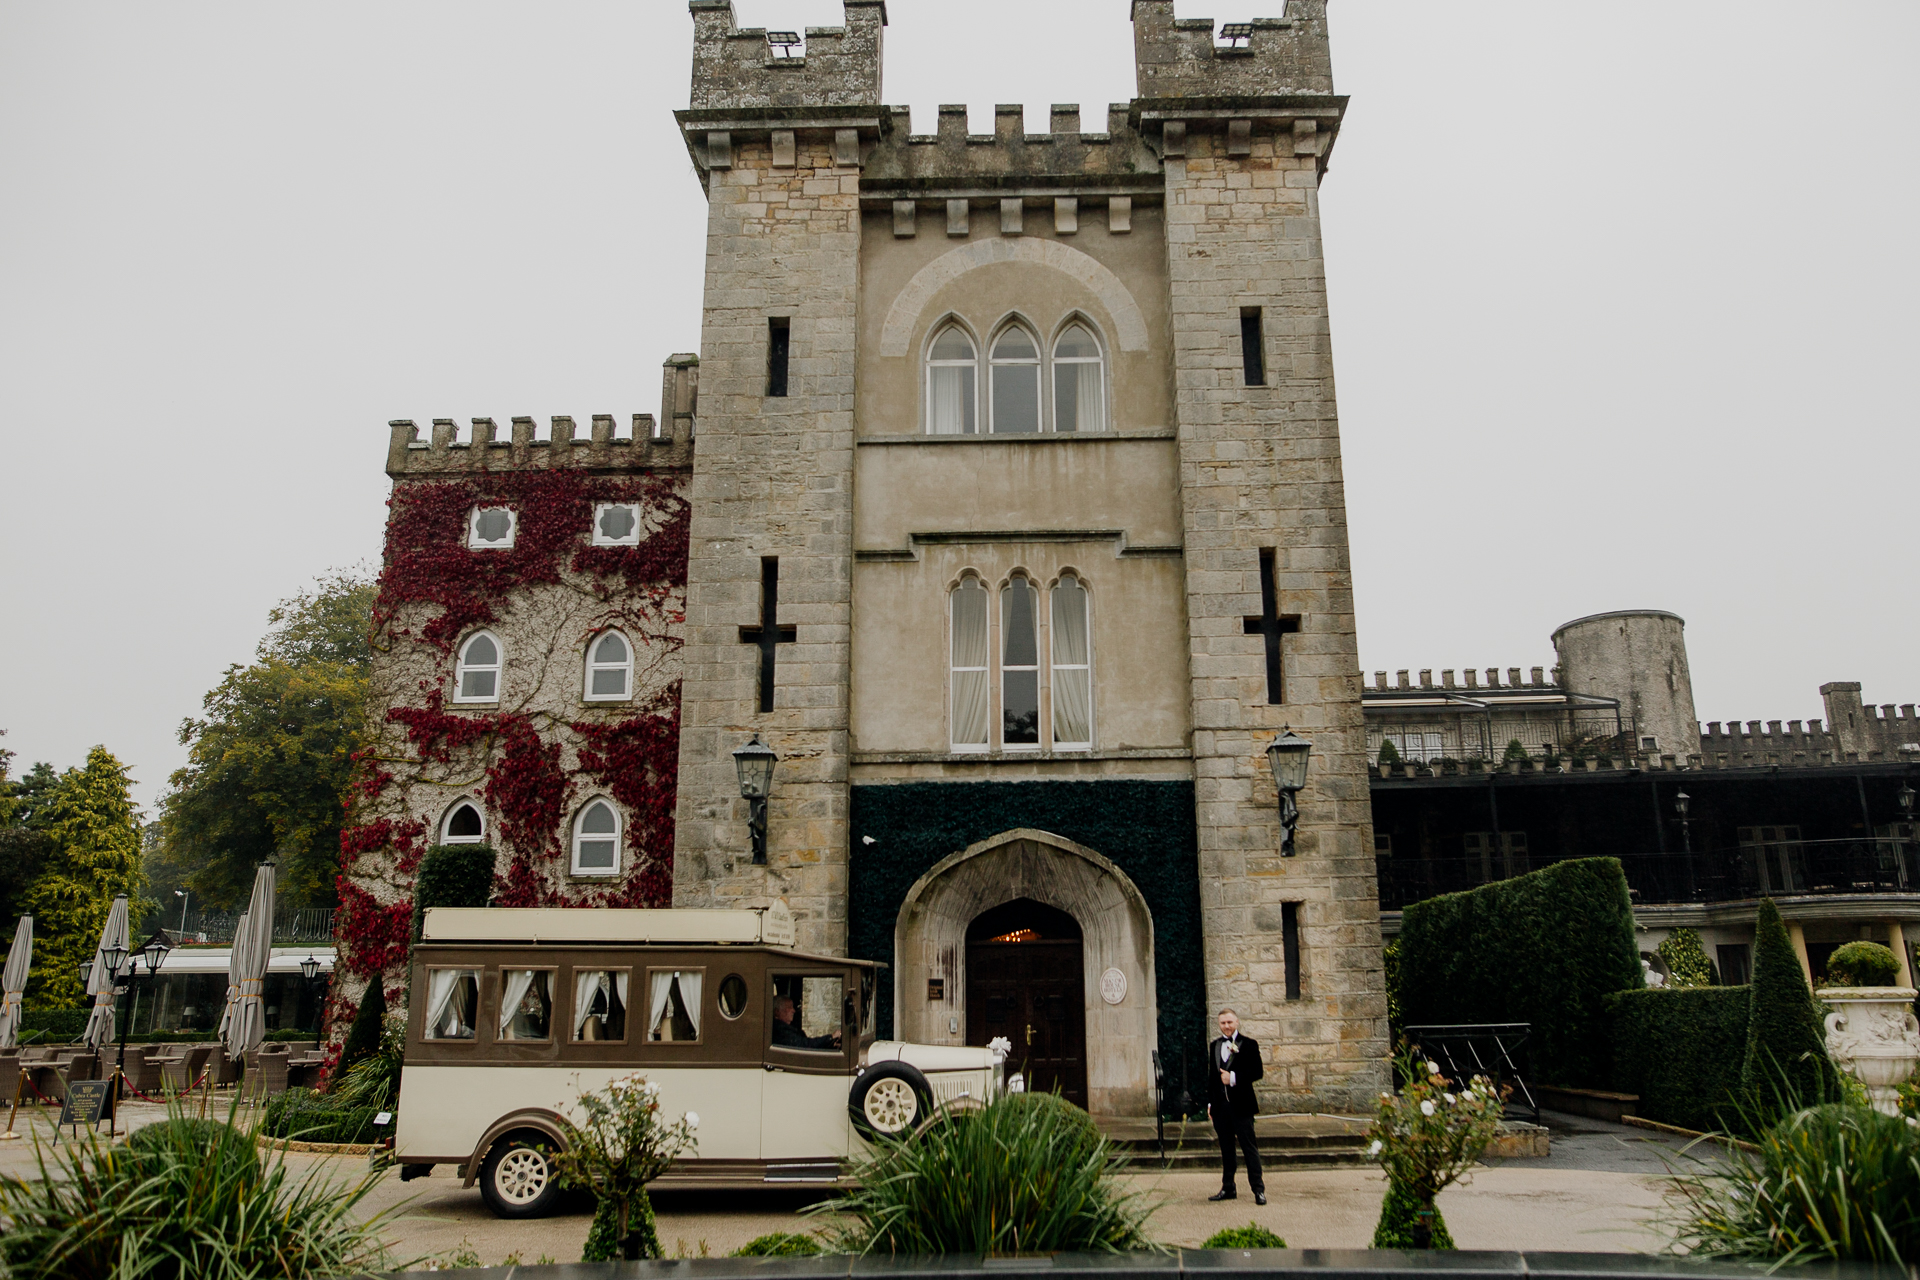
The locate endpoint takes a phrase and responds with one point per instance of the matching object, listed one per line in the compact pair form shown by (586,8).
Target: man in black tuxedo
(1233,1063)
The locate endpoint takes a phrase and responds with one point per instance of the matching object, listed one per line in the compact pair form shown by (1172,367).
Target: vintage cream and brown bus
(517,1012)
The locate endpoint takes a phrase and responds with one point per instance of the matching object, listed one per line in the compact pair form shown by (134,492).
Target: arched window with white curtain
(1020,664)
(609,668)
(1079,382)
(1072,667)
(967,663)
(952,383)
(476,676)
(596,840)
(1014,369)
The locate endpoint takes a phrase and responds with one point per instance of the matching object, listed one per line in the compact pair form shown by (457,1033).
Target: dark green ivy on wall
(1144,828)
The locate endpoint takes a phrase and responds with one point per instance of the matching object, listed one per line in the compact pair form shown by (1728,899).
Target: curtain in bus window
(591,994)
(515,990)
(660,988)
(690,998)
(441,984)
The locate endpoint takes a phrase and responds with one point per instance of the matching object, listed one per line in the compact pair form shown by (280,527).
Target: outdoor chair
(226,1068)
(9,1076)
(143,1070)
(266,1076)
(182,1073)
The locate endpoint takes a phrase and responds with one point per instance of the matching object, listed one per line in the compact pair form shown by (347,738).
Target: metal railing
(1782,868)
(292,926)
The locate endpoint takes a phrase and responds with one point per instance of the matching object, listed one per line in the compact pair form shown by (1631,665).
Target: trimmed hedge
(452,875)
(306,1116)
(58,1024)
(1680,1050)
(1786,1065)
(1545,948)
(1146,828)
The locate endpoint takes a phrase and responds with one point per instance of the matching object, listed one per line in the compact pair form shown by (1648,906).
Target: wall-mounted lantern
(1288,754)
(754,763)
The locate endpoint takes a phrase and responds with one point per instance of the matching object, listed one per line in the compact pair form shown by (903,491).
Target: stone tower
(1200,502)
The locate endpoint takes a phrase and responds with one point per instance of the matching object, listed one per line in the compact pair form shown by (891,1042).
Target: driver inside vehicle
(788,1035)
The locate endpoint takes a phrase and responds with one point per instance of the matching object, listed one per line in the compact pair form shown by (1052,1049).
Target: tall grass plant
(1028,1173)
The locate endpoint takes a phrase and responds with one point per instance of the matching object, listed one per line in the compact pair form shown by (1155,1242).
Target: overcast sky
(1622,296)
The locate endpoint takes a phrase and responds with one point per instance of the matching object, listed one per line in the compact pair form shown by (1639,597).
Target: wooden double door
(1033,992)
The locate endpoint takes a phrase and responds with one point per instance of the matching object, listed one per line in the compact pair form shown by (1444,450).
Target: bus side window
(453,1000)
(600,1004)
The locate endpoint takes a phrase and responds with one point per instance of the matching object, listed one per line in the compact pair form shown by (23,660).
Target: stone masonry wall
(1260,467)
(773,477)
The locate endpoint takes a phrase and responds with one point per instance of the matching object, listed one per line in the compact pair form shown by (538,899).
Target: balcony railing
(292,926)
(1781,869)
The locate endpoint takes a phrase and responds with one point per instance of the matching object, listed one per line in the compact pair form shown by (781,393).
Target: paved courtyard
(1599,1191)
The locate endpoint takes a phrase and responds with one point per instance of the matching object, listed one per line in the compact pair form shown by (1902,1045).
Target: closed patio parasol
(100,983)
(13,981)
(245,1022)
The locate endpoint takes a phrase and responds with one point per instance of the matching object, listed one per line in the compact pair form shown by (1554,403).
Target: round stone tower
(1640,657)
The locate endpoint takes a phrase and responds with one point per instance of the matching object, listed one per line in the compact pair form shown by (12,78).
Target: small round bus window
(733,996)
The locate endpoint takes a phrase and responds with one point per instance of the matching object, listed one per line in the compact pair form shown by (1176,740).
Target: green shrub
(1400,1216)
(778,1244)
(1680,1050)
(54,1025)
(303,1115)
(183,1201)
(1544,948)
(1785,1062)
(1863,964)
(1389,754)
(1837,1182)
(369,1022)
(452,875)
(1028,1173)
(1516,750)
(1396,1016)
(1687,960)
(1251,1236)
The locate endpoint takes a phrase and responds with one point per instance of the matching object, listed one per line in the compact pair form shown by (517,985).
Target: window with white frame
(463,825)
(1072,667)
(616,524)
(492,528)
(1079,382)
(1014,370)
(967,658)
(609,668)
(596,840)
(477,672)
(952,383)
(1019,664)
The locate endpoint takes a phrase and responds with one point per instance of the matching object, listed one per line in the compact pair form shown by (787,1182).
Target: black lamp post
(121,964)
(310,970)
(754,763)
(1288,755)
(1680,804)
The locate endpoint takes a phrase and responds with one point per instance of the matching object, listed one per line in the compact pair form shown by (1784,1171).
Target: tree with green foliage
(1786,1055)
(270,761)
(93,855)
(24,844)
(1686,959)
(363,1038)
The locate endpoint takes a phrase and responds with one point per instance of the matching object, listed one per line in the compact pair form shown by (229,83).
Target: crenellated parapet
(486,446)
(1179,57)
(735,68)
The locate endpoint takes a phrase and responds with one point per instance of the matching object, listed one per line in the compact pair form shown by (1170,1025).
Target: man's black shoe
(1259,1197)
(1223,1195)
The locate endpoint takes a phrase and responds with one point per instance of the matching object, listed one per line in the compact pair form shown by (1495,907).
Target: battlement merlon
(1178,58)
(489,447)
(735,69)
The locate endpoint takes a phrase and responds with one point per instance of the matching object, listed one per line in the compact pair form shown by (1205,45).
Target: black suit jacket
(1246,1069)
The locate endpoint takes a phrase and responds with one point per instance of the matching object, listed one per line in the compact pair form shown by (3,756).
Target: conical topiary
(1786,1064)
(363,1037)
(1400,1218)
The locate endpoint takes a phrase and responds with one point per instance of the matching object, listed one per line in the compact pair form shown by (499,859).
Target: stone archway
(930,952)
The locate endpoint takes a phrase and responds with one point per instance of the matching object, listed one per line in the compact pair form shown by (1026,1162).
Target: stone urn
(1874,1037)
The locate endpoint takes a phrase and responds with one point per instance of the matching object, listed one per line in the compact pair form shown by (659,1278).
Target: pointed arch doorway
(1026,981)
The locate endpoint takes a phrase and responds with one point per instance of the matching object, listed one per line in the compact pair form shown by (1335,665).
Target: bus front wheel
(518,1178)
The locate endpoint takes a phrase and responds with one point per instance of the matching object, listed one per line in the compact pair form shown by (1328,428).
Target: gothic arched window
(464,825)
(1015,372)
(1072,666)
(609,668)
(596,840)
(1020,664)
(967,657)
(1079,382)
(951,383)
(477,672)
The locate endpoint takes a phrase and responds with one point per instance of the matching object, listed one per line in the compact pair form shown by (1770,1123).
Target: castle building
(1601,756)
(1003,503)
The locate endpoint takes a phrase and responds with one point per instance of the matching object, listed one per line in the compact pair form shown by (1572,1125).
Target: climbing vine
(526,762)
